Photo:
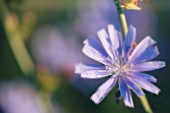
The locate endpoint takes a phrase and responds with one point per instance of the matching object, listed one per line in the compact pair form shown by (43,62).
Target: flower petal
(148,54)
(91,71)
(105,41)
(125,93)
(148,66)
(144,76)
(116,39)
(96,55)
(81,68)
(140,49)
(114,36)
(134,87)
(95,74)
(129,41)
(146,85)
(103,90)
(95,44)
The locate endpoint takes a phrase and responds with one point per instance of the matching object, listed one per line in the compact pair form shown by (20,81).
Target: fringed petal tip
(95,99)
(111,28)
(100,94)
(85,42)
(129,102)
(132,27)
(83,76)
(78,69)
(163,64)
(158,92)
(101,31)
(103,90)
(130,105)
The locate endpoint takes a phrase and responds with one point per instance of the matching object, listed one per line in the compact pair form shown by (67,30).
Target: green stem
(123,22)
(145,104)
(121,17)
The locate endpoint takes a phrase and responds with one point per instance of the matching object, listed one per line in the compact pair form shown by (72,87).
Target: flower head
(122,62)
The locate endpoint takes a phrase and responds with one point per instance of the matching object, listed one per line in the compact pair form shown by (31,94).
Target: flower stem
(145,104)
(123,22)
(121,17)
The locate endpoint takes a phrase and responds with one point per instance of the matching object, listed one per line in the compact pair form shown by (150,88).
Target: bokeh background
(40,41)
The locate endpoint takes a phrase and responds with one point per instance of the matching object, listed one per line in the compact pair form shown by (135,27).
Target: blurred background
(40,41)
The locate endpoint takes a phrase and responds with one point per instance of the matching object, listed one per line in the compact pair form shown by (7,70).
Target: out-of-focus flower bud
(130,4)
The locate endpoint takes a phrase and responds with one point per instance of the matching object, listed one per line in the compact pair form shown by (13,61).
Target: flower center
(118,70)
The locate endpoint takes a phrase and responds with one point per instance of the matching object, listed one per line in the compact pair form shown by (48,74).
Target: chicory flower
(121,62)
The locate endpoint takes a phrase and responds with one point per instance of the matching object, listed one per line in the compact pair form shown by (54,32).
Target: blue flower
(122,62)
